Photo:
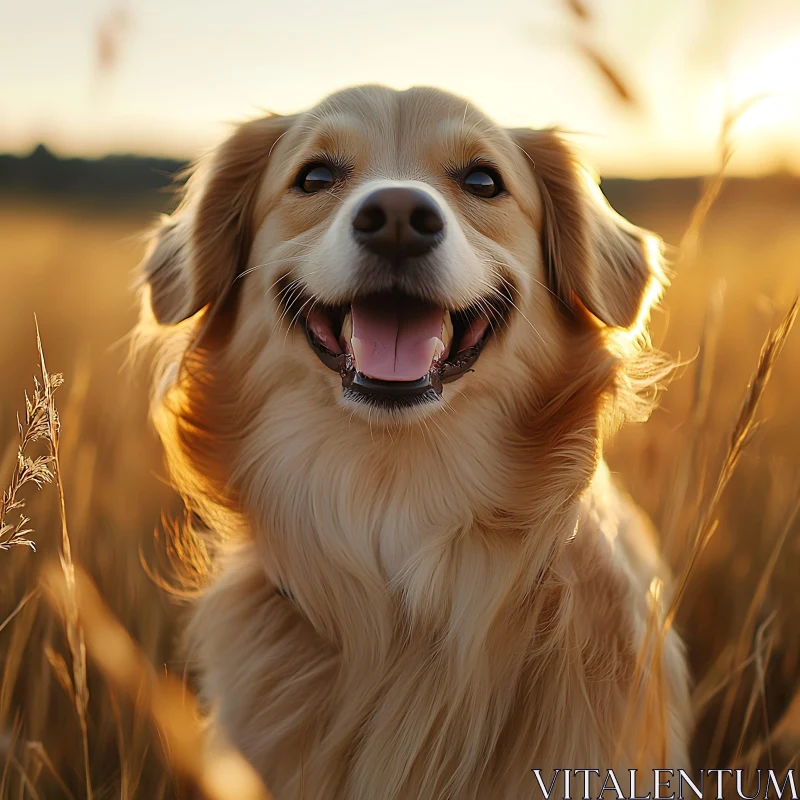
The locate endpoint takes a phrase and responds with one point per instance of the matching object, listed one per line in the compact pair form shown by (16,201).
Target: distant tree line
(42,172)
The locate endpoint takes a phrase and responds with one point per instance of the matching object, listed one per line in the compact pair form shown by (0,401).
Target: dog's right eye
(314,178)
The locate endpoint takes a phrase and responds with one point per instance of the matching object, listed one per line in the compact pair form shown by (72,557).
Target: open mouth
(394,349)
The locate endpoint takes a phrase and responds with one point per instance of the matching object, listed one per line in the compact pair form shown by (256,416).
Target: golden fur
(467,587)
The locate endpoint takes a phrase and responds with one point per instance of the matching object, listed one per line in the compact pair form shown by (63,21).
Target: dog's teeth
(438,350)
(447,329)
(347,328)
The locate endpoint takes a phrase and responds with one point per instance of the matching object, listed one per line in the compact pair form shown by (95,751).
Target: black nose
(398,222)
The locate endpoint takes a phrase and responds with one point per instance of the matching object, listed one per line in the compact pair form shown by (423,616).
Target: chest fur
(457,699)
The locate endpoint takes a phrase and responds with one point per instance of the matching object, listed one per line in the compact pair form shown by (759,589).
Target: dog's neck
(414,530)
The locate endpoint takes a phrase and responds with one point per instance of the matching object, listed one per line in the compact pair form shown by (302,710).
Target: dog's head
(388,320)
(399,250)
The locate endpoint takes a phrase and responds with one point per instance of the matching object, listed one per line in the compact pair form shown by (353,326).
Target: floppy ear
(594,258)
(197,252)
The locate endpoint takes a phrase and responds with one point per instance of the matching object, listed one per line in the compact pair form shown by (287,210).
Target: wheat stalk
(686,472)
(597,60)
(743,642)
(51,430)
(742,434)
(726,150)
(220,772)
(34,470)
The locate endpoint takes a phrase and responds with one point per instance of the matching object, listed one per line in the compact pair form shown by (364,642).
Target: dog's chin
(394,352)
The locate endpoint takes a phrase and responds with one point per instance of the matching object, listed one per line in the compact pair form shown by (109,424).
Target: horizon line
(784,169)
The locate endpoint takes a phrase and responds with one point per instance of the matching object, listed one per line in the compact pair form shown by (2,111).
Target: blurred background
(674,104)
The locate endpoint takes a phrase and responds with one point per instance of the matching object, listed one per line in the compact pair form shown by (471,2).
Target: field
(71,264)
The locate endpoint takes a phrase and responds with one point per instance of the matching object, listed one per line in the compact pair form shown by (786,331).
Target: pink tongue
(395,339)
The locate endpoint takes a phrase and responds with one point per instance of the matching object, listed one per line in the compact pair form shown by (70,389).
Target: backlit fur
(468,588)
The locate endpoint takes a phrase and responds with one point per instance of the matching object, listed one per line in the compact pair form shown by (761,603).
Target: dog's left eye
(314,178)
(482,182)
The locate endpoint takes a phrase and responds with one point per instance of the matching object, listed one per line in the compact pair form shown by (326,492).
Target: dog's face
(399,250)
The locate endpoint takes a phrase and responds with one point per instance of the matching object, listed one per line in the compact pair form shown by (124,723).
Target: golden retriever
(391,337)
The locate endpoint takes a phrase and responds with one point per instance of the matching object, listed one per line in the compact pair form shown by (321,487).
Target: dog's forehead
(401,130)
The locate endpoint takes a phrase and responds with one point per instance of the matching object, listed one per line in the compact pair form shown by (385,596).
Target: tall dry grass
(30,766)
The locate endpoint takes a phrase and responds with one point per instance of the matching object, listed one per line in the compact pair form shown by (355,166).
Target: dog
(391,337)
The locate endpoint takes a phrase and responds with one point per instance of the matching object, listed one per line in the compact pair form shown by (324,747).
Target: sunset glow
(166,78)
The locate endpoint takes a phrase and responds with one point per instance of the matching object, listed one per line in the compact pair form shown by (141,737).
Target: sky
(174,74)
